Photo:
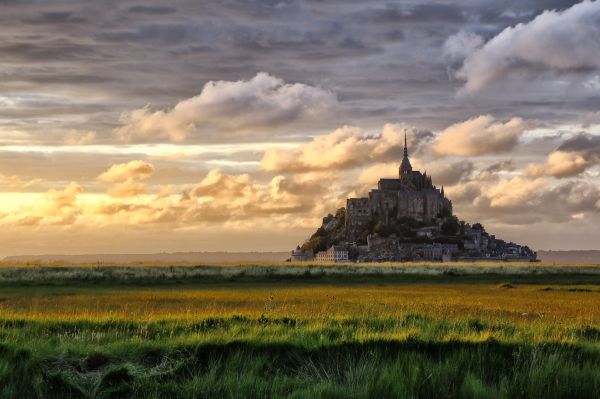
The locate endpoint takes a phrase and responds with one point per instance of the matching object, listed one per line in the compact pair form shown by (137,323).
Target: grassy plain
(315,335)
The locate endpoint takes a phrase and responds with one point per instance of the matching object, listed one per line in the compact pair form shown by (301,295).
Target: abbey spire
(405,146)
(405,166)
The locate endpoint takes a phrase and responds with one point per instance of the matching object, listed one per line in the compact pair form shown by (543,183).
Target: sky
(148,126)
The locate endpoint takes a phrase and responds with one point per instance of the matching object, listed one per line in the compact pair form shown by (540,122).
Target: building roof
(338,248)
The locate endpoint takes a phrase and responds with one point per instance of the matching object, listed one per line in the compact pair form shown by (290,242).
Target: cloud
(590,118)
(128,188)
(55,49)
(459,46)
(16,182)
(259,104)
(239,197)
(56,17)
(571,158)
(344,148)
(521,200)
(215,184)
(559,164)
(513,193)
(500,166)
(56,207)
(152,10)
(370,176)
(219,198)
(442,173)
(79,138)
(555,41)
(419,13)
(479,136)
(125,171)
(449,173)
(593,83)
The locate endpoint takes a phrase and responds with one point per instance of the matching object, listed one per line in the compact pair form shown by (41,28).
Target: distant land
(158,257)
(580,256)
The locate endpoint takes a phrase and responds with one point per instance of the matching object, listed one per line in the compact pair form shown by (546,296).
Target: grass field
(316,335)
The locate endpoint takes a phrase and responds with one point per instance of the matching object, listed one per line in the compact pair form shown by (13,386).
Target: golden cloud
(79,138)
(218,198)
(56,207)
(344,148)
(559,164)
(479,136)
(125,171)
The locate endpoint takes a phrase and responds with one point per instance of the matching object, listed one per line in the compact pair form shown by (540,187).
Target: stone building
(412,194)
(300,255)
(336,253)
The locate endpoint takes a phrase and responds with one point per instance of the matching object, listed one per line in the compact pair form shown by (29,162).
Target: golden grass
(487,302)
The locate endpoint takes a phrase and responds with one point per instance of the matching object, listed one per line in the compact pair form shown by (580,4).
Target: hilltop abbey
(404,219)
(412,195)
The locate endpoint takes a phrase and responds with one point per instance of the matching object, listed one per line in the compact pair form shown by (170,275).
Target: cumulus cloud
(559,164)
(240,197)
(125,171)
(571,158)
(555,41)
(56,207)
(479,136)
(232,199)
(512,193)
(344,148)
(259,104)
(522,200)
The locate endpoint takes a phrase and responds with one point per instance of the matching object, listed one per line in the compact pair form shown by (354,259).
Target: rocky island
(404,219)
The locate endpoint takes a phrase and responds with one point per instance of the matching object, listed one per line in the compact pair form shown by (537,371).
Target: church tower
(405,166)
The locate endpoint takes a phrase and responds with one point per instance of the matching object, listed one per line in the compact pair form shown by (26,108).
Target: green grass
(281,358)
(488,336)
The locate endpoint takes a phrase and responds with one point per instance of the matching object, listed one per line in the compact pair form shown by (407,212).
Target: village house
(336,253)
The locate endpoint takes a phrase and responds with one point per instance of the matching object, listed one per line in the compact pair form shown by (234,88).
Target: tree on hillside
(450,226)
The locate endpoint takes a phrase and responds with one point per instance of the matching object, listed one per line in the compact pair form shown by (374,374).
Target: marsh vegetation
(321,336)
